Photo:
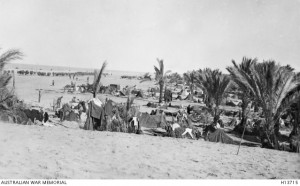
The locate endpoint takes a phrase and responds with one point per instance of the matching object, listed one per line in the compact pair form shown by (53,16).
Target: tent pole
(241,139)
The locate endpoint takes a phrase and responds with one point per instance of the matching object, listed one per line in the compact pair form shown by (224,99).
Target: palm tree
(161,77)
(291,103)
(245,94)
(97,78)
(270,84)
(175,78)
(146,77)
(214,84)
(190,79)
(5,58)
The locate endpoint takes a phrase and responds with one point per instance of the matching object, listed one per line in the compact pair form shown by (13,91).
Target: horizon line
(68,67)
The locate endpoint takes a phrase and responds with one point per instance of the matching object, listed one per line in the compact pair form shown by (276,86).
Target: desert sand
(72,153)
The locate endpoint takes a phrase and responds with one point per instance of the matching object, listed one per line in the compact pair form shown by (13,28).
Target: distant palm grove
(267,85)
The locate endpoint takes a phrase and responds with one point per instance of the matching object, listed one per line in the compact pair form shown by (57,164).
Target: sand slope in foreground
(57,152)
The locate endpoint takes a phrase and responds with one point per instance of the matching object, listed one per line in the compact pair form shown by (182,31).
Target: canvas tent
(115,87)
(34,114)
(67,113)
(140,94)
(95,115)
(99,115)
(152,121)
(219,136)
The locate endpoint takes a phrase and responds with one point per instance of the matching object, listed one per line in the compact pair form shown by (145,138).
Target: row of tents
(110,116)
(115,117)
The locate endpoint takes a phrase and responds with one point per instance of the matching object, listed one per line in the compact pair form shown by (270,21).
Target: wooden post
(14,80)
(40,94)
(53,106)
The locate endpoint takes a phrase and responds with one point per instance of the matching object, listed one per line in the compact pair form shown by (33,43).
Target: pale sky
(131,34)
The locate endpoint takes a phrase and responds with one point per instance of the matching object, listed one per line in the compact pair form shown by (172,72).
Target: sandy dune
(58,152)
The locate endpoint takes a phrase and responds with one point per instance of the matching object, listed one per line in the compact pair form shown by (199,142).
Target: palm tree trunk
(297,119)
(216,115)
(296,122)
(161,87)
(275,135)
(272,133)
(192,93)
(14,81)
(96,91)
(245,104)
(244,117)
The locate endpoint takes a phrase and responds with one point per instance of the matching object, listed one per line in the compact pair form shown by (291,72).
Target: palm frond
(293,96)
(213,83)
(167,72)
(8,56)
(4,80)
(145,79)
(158,74)
(98,77)
(269,83)
(241,75)
(6,95)
(161,65)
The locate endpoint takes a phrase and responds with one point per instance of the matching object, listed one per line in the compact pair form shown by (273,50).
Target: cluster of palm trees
(271,86)
(190,79)
(267,84)
(212,82)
